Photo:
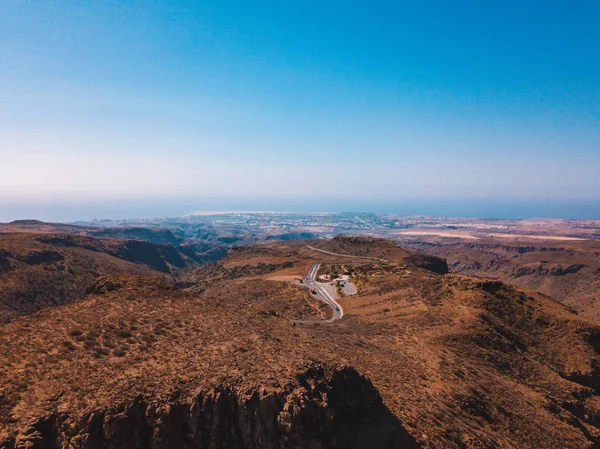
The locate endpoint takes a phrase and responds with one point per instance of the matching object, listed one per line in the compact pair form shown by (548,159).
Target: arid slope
(45,270)
(420,359)
(569,271)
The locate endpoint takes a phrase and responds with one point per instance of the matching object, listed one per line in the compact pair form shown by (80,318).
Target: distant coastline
(146,208)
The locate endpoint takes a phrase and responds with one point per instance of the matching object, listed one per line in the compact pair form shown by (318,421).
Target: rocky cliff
(321,409)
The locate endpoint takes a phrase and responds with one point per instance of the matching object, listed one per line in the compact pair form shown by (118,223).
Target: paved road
(363,221)
(323,294)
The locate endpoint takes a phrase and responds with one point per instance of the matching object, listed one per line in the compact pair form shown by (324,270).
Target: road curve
(322,294)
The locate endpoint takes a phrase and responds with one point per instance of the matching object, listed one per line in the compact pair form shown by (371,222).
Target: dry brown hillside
(569,271)
(44,270)
(420,359)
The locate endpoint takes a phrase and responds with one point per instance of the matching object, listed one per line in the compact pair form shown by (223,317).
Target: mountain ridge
(457,361)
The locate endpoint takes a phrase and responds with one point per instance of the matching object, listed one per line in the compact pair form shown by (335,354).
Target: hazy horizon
(464,108)
(139,209)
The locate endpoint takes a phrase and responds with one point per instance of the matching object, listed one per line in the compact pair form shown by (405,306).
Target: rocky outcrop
(431,263)
(320,410)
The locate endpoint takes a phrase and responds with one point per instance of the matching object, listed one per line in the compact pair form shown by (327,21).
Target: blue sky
(222,102)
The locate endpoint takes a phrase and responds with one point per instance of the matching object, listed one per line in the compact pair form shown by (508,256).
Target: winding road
(323,294)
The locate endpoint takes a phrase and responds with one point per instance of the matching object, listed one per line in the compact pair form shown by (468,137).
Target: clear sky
(220,104)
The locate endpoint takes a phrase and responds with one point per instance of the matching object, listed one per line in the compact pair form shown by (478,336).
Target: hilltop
(420,359)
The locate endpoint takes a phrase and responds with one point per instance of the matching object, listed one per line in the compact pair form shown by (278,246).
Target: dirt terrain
(45,270)
(569,271)
(214,358)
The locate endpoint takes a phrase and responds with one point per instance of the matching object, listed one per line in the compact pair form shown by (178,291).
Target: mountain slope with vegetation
(420,360)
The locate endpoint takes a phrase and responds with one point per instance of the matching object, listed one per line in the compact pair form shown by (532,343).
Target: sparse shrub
(103,351)
(124,333)
(453,436)
(148,339)
(69,345)
(75,333)
(118,352)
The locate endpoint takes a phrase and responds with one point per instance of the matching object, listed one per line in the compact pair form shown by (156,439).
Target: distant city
(241,227)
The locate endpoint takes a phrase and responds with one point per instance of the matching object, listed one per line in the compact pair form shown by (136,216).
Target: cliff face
(321,410)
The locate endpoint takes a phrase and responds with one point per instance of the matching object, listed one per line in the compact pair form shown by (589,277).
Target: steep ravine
(320,409)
